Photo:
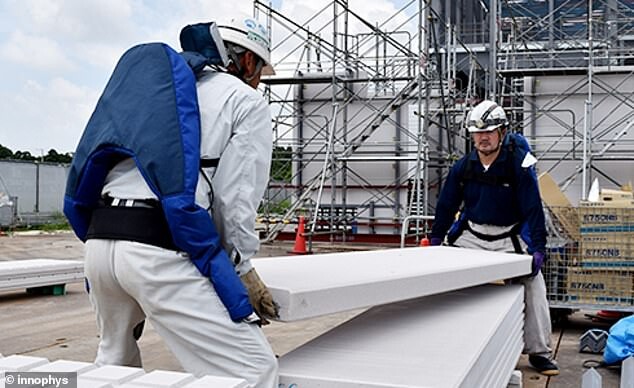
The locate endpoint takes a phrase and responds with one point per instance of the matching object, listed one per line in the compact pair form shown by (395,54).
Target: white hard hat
(486,116)
(248,32)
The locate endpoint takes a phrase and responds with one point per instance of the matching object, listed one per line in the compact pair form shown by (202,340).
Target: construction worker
(131,280)
(501,211)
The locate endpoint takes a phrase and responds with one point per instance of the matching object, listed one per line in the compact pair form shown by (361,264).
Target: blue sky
(56,55)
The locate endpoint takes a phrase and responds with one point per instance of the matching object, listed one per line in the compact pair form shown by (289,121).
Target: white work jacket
(236,128)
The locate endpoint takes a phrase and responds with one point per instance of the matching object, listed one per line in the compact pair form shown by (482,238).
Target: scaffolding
(368,115)
(586,49)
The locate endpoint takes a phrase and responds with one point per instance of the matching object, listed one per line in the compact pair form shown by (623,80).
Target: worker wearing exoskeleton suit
(497,184)
(131,281)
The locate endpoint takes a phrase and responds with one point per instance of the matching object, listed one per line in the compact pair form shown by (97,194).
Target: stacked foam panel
(314,285)
(91,376)
(467,338)
(459,339)
(17,274)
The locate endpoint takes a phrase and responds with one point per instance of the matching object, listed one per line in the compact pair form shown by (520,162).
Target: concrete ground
(63,327)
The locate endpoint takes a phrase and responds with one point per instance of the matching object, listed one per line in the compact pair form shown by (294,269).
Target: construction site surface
(63,327)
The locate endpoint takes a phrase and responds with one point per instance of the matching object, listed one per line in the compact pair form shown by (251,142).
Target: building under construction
(369,115)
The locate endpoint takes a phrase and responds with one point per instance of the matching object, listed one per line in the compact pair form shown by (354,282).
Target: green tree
(23,155)
(55,157)
(52,157)
(281,167)
(5,153)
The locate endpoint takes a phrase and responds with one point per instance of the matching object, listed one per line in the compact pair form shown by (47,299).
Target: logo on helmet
(250,23)
(479,123)
(258,39)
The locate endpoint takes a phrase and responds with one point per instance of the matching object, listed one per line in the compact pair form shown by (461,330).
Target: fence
(34,192)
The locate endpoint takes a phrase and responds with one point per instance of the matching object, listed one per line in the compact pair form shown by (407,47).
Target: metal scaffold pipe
(587,127)
(404,83)
(327,160)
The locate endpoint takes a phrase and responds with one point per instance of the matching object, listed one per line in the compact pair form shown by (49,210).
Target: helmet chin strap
(258,68)
(234,54)
(242,70)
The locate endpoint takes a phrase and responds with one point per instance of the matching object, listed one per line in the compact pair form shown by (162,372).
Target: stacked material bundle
(310,286)
(470,338)
(467,338)
(17,274)
(90,376)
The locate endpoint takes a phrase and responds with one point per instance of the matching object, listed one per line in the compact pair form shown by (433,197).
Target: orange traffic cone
(424,242)
(300,240)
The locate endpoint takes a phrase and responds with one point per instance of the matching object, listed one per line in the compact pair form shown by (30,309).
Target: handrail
(405,225)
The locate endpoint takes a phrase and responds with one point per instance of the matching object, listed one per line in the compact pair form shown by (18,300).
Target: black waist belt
(512,234)
(141,224)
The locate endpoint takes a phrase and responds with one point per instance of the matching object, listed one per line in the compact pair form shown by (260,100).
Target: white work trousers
(537,327)
(130,281)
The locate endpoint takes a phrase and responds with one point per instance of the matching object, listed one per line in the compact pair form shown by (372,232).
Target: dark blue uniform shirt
(493,204)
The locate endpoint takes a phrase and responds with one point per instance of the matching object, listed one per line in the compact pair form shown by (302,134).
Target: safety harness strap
(512,234)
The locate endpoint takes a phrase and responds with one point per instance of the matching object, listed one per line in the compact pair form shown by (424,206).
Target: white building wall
(369,180)
(559,134)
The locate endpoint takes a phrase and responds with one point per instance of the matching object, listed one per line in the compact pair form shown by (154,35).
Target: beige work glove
(260,297)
